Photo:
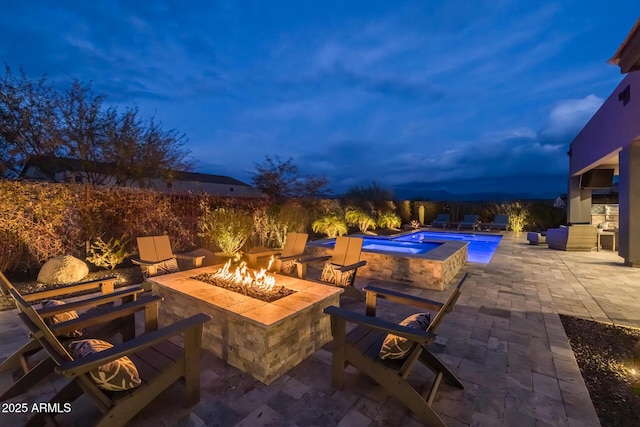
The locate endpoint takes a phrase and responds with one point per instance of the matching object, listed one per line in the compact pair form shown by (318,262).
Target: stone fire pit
(264,339)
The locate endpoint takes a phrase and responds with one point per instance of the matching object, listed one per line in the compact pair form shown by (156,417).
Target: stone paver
(504,340)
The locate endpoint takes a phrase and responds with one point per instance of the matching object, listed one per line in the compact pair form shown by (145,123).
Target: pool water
(481,246)
(373,244)
(480,249)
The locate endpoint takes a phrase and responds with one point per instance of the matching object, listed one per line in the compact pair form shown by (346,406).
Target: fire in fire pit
(255,284)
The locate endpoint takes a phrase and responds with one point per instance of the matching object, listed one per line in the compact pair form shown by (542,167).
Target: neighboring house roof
(52,165)
(627,57)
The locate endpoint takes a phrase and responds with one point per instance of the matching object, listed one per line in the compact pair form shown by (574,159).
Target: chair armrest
(412,334)
(143,262)
(290,257)
(314,259)
(105,284)
(401,298)
(352,266)
(131,291)
(106,315)
(190,257)
(92,361)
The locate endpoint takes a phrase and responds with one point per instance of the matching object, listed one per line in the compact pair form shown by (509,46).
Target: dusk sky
(464,96)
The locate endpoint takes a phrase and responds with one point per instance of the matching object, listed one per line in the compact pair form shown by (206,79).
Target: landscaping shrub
(518,215)
(388,220)
(404,211)
(330,224)
(228,228)
(543,215)
(108,254)
(360,218)
(112,213)
(36,223)
(290,217)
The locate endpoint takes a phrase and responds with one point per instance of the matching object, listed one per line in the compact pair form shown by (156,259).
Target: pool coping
(441,253)
(431,270)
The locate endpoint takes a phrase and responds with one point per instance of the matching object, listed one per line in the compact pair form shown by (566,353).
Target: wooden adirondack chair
(361,348)
(106,286)
(157,257)
(345,262)
(102,319)
(159,361)
(293,250)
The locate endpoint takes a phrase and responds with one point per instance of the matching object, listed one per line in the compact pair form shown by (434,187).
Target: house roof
(53,165)
(627,57)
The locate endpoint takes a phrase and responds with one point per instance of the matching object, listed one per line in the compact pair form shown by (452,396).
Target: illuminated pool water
(480,249)
(481,246)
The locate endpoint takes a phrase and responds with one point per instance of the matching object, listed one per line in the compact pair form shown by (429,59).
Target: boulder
(63,270)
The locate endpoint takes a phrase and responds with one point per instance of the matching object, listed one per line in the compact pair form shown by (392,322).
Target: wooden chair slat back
(446,307)
(163,247)
(443,217)
(60,354)
(5,284)
(290,244)
(301,243)
(347,250)
(147,249)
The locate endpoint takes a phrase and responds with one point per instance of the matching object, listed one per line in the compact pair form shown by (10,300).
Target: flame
(260,280)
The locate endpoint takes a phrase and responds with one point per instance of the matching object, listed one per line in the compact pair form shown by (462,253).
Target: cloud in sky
(417,91)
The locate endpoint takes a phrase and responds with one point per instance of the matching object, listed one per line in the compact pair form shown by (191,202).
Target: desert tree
(280,179)
(28,121)
(36,119)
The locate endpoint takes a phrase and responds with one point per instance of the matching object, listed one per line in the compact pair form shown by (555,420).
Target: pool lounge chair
(442,220)
(469,221)
(500,222)
(157,257)
(361,348)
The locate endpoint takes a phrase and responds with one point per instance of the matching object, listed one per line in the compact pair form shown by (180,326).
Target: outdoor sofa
(578,237)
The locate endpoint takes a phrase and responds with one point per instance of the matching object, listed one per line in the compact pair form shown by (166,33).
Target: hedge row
(41,220)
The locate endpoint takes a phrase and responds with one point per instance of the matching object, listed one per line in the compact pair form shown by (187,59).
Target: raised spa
(423,263)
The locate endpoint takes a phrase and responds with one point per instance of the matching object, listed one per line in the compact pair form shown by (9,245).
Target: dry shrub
(37,222)
(111,213)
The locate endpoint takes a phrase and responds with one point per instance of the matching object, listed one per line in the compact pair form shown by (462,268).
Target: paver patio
(504,341)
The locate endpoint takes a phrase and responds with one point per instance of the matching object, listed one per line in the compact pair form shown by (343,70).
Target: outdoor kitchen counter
(260,338)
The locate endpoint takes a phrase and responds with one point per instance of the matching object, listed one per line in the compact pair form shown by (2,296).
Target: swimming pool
(481,246)
(480,249)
